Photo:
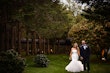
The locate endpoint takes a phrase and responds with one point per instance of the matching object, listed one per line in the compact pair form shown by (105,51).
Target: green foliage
(94,33)
(49,19)
(99,14)
(52,20)
(41,60)
(11,62)
(36,15)
(93,26)
(99,11)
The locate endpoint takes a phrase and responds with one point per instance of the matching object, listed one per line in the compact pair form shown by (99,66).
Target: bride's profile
(75,65)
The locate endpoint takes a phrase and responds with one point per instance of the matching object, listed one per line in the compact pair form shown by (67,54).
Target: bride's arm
(81,58)
(71,53)
(78,51)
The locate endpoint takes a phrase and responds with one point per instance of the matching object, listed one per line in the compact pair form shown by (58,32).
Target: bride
(75,65)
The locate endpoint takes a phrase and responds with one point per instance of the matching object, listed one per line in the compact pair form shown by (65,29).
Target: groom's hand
(81,58)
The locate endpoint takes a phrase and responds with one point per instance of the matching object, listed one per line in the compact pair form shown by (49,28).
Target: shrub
(41,60)
(11,62)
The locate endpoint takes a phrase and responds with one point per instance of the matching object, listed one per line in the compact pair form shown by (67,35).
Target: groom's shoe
(85,71)
(88,71)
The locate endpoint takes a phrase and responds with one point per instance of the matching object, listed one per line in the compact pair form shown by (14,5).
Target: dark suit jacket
(85,53)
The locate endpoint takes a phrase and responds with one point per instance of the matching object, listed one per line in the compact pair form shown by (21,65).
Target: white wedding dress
(75,65)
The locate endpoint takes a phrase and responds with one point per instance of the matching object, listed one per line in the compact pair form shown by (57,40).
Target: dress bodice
(74,54)
(74,51)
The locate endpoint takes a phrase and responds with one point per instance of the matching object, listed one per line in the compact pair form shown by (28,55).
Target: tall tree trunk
(33,42)
(2,42)
(19,39)
(2,38)
(27,43)
(2,32)
(58,46)
(5,27)
(48,46)
(44,45)
(40,44)
(6,37)
(13,38)
(55,46)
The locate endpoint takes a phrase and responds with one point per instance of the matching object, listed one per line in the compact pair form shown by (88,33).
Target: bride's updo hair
(75,45)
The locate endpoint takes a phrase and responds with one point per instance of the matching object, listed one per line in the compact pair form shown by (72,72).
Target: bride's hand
(81,58)
(70,58)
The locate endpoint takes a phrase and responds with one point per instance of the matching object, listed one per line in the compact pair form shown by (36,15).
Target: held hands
(81,58)
(70,58)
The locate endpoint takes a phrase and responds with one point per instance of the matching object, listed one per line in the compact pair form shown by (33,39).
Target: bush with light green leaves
(41,60)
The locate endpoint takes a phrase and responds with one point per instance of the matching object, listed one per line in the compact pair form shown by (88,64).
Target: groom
(85,55)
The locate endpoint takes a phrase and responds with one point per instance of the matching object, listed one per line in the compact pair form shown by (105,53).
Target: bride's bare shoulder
(73,48)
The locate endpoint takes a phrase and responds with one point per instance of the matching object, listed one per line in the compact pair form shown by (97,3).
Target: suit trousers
(86,65)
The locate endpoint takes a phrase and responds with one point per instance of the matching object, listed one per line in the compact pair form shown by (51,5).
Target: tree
(99,12)
(95,27)
(46,18)
(7,20)
(53,21)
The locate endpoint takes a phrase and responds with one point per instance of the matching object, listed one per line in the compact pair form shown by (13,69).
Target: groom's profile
(85,55)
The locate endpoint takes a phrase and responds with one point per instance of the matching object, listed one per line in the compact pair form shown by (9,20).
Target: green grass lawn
(58,62)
